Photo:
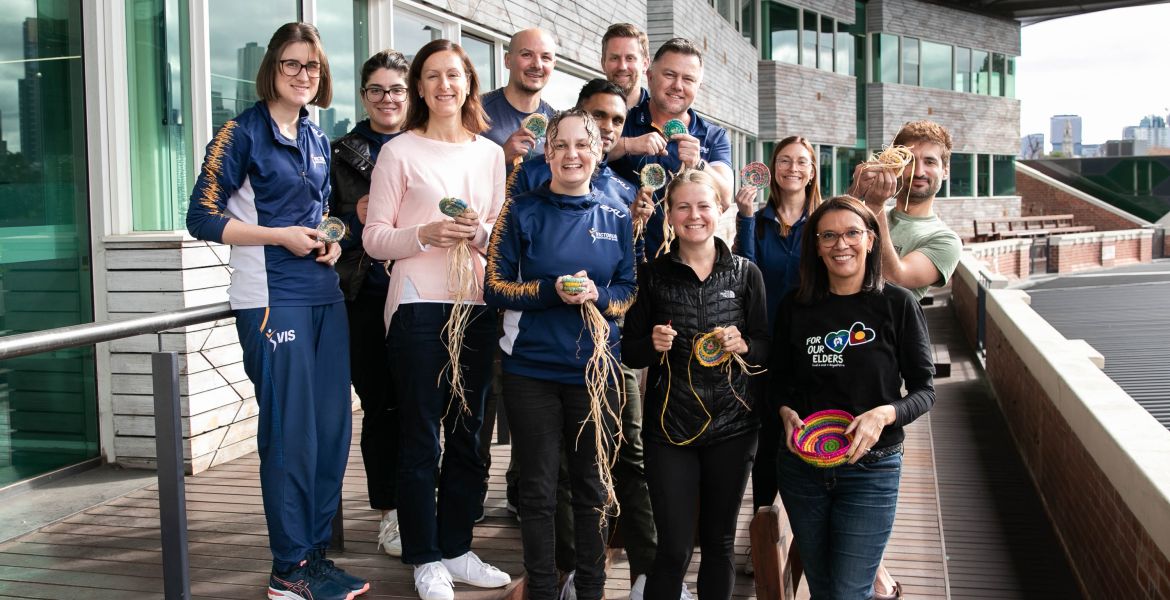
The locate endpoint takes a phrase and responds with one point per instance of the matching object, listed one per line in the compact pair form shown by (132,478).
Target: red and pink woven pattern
(822,442)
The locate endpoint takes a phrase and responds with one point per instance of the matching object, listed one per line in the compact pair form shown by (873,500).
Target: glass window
(748,21)
(784,25)
(1009,78)
(910,61)
(936,66)
(727,10)
(562,90)
(998,70)
(1004,174)
(962,69)
(981,67)
(161,166)
(983,174)
(48,401)
(346,45)
(885,60)
(239,33)
(962,175)
(825,52)
(483,58)
(412,31)
(808,40)
(825,164)
(845,50)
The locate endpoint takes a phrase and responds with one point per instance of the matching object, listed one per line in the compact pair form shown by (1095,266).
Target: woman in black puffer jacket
(700,431)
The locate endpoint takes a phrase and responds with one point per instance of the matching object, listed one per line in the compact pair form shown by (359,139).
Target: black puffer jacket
(350,172)
(670,292)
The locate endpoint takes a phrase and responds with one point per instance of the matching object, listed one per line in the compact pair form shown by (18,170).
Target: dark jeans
(369,370)
(704,485)
(544,417)
(417,357)
(841,520)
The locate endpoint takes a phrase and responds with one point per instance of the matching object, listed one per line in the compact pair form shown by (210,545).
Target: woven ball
(822,442)
(652,176)
(673,127)
(755,174)
(331,230)
(452,207)
(573,285)
(536,123)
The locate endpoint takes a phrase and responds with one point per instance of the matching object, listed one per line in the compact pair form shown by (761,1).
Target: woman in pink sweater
(441,154)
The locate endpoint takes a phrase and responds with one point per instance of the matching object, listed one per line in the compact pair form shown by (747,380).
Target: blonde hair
(684,178)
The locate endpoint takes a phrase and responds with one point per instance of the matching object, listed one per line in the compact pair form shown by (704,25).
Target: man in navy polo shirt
(674,78)
(531,57)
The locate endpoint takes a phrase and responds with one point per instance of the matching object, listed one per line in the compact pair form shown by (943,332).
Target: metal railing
(167,425)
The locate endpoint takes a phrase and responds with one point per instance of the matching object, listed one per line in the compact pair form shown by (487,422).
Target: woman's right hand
(745,199)
(298,240)
(445,233)
(663,337)
(792,422)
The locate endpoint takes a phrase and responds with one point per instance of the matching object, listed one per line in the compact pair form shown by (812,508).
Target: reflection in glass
(847,160)
(936,66)
(239,33)
(983,174)
(825,164)
(825,54)
(412,32)
(844,49)
(562,90)
(962,176)
(885,58)
(343,32)
(482,57)
(785,23)
(998,74)
(48,406)
(981,67)
(910,60)
(1009,78)
(962,69)
(1004,175)
(808,40)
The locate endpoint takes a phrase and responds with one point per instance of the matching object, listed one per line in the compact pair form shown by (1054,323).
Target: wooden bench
(1037,233)
(1007,227)
(774,557)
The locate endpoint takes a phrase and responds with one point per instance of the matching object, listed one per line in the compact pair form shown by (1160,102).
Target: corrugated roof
(1125,314)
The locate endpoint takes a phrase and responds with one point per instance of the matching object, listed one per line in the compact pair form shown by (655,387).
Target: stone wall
(814,103)
(978,124)
(944,24)
(960,213)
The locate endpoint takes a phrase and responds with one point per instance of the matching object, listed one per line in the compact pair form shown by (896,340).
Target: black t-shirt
(853,353)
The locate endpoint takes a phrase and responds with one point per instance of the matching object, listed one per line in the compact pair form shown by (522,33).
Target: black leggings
(702,485)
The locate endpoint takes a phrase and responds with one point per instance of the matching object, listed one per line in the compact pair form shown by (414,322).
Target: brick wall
(1042,195)
(815,103)
(1009,258)
(1084,251)
(944,24)
(978,124)
(960,213)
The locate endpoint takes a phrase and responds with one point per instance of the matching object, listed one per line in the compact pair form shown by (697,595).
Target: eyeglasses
(292,68)
(852,237)
(375,94)
(784,163)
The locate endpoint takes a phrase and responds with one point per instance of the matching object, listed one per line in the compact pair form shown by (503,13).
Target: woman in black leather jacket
(364,281)
(700,431)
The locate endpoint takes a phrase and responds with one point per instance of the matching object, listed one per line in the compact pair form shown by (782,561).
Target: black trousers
(546,416)
(370,373)
(702,485)
(765,484)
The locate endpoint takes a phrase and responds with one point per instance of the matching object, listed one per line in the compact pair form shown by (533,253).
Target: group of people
(813,307)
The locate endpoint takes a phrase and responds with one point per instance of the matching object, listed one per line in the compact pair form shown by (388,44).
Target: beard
(917,196)
(633,83)
(523,84)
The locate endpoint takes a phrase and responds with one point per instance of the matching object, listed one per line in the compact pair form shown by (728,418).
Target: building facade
(1066,134)
(106,107)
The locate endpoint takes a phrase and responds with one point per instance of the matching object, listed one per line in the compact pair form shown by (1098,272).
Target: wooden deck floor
(112,550)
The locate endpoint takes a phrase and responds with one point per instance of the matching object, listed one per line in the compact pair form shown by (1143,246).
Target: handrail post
(172,502)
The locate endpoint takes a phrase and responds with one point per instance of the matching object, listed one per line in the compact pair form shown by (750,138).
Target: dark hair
(814,276)
(293,33)
(417,113)
(925,131)
(681,46)
(812,191)
(626,30)
(386,59)
(599,86)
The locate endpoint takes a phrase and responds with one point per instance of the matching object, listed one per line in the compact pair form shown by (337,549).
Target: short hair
(925,131)
(626,30)
(417,112)
(292,33)
(812,192)
(681,46)
(814,275)
(386,59)
(599,86)
(591,130)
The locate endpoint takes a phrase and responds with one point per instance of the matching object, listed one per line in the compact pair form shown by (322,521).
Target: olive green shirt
(930,236)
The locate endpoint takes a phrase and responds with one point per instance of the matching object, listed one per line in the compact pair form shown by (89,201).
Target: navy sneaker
(357,585)
(305,582)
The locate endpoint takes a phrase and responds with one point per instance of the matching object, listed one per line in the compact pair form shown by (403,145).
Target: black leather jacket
(350,171)
(670,292)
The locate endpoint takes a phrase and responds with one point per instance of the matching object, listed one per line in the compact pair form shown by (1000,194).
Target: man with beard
(531,57)
(625,56)
(918,249)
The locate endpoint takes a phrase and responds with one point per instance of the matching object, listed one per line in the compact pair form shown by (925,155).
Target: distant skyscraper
(1066,134)
(328,119)
(248,64)
(340,128)
(1032,146)
(1151,132)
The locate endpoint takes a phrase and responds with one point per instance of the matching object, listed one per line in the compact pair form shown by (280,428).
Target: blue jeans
(417,357)
(841,519)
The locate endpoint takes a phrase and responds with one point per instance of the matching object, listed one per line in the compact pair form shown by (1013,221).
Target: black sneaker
(357,585)
(305,582)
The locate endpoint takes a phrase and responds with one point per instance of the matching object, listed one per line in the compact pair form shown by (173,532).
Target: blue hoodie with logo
(539,236)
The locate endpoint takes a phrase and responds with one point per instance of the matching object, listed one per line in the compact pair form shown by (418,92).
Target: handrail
(75,336)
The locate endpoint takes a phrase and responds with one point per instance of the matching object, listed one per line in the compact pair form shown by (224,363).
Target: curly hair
(925,131)
(591,131)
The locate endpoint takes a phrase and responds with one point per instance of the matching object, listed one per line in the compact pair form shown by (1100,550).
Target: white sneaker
(568,590)
(471,570)
(433,582)
(388,538)
(686,594)
(639,588)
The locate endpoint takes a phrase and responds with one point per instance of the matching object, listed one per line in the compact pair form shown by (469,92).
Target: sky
(1109,67)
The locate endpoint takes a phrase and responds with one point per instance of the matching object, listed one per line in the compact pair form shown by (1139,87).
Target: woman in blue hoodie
(560,229)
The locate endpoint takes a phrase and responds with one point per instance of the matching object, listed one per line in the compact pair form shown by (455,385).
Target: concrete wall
(1099,250)
(815,103)
(1096,456)
(1010,259)
(978,124)
(943,24)
(960,213)
(1043,195)
(730,90)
